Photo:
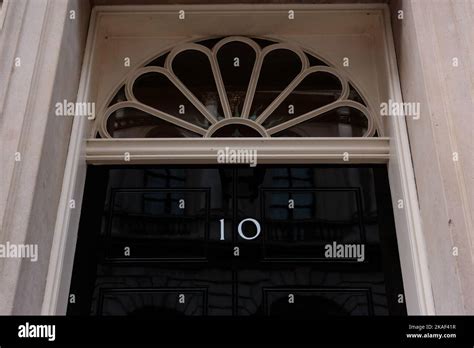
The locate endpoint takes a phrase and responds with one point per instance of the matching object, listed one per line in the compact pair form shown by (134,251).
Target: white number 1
(222,229)
(241,233)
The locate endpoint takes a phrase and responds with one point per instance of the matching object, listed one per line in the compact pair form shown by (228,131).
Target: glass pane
(119,97)
(210,43)
(344,121)
(156,90)
(263,42)
(194,70)
(279,68)
(159,61)
(236,60)
(236,131)
(133,123)
(313,61)
(355,96)
(316,90)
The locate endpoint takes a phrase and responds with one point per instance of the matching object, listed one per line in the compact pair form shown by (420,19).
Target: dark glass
(316,90)
(279,68)
(236,131)
(133,123)
(344,121)
(263,42)
(313,61)
(119,96)
(236,61)
(159,61)
(355,96)
(210,43)
(156,90)
(194,70)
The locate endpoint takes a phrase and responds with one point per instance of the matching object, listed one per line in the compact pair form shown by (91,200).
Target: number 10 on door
(241,227)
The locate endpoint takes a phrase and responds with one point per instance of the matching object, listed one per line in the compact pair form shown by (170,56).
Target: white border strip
(401,168)
(273,150)
(67,222)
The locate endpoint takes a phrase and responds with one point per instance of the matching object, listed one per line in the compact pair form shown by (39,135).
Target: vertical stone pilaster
(50,49)
(435,51)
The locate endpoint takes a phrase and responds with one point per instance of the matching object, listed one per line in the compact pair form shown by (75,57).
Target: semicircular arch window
(237,87)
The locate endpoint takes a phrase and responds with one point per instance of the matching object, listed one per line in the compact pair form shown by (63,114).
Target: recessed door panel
(295,303)
(161,303)
(158,224)
(300,222)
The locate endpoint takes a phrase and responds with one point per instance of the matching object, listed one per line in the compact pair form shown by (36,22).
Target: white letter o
(255,222)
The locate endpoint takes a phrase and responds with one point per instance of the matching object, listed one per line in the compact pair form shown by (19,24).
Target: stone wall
(430,39)
(50,48)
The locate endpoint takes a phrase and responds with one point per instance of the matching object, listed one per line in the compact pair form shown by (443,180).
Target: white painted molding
(269,150)
(412,246)
(67,221)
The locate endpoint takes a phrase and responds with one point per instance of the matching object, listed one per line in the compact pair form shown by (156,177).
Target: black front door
(283,241)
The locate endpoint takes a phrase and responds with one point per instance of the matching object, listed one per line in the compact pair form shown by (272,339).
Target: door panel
(314,302)
(158,224)
(194,241)
(144,302)
(299,222)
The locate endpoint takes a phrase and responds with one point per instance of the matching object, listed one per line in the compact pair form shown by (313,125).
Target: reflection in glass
(159,61)
(279,68)
(313,61)
(344,121)
(263,42)
(236,131)
(355,96)
(210,43)
(119,97)
(194,70)
(156,90)
(317,218)
(133,123)
(316,90)
(313,303)
(236,60)
(150,303)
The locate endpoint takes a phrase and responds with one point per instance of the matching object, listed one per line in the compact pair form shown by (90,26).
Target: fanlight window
(236,87)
